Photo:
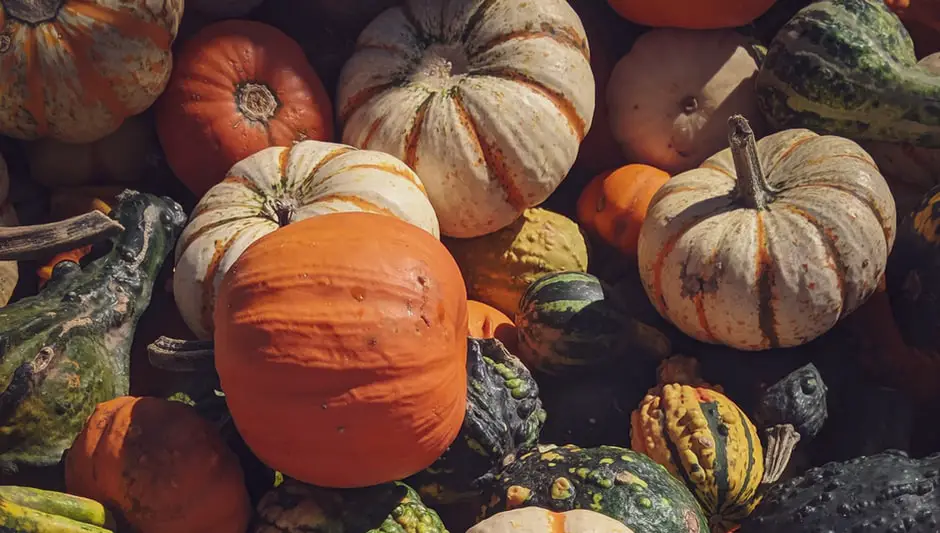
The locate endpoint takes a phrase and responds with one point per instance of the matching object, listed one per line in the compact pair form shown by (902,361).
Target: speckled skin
(847,67)
(883,493)
(504,418)
(613,481)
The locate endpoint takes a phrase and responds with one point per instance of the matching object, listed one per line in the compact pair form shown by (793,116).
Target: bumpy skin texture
(753,279)
(487,100)
(884,492)
(279,186)
(9,270)
(499,267)
(68,348)
(706,441)
(799,399)
(76,72)
(504,418)
(847,67)
(294,507)
(617,482)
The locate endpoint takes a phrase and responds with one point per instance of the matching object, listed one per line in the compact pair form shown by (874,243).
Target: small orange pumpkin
(161,465)
(692,14)
(487,322)
(613,206)
(341,345)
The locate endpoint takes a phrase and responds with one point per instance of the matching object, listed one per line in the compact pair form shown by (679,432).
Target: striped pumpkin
(487,101)
(73,70)
(733,256)
(278,186)
(706,441)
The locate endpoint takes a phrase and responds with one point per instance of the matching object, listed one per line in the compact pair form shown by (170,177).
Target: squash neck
(752,189)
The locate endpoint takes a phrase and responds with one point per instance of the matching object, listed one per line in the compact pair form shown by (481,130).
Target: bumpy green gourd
(28,510)
(847,67)
(68,348)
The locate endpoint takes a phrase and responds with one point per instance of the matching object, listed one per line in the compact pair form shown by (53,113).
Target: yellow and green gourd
(28,510)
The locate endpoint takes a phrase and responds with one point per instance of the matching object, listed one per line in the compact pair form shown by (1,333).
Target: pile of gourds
(469,265)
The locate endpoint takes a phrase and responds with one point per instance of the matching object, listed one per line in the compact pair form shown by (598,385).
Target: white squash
(735,256)
(9,270)
(670,97)
(538,520)
(273,188)
(487,100)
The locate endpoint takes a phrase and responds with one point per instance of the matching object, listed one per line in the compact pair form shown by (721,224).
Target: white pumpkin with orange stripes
(539,520)
(487,100)
(278,186)
(73,70)
(769,243)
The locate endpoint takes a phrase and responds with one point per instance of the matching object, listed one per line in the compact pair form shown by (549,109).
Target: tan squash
(276,187)
(539,520)
(671,96)
(735,256)
(9,270)
(486,101)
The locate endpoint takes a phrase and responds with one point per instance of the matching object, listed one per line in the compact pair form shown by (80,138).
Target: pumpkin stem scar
(178,355)
(24,243)
(752,188)
(781,441)
(256,101)
(32,11)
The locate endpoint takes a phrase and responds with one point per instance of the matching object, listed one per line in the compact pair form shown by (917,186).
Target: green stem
(752,189)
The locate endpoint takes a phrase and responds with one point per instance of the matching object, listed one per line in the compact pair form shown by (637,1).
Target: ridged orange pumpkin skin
(692,14)
(161,465)
(487,322)
(613,205)
(341,345)
(238,87)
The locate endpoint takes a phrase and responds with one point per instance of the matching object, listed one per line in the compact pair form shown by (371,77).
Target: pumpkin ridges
(123,21)
(35,101)
(766,314)
(561,35)
(564,106)
(88,75)
(835,258)
(357,101)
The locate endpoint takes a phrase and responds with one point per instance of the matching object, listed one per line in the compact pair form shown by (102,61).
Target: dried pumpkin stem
(752,188)
(21,243)
(781,441)
(178,355)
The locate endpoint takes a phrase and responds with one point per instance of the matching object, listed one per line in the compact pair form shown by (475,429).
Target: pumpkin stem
(22,243)
(178,355)
(781,441)
(752,188)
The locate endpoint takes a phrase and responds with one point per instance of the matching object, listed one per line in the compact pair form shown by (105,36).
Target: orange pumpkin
(613,206)
(161,466)
(692,14)
(487,322)
(238,87)
(340,342)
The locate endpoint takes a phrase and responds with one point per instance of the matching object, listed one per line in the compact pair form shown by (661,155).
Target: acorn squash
(28,510)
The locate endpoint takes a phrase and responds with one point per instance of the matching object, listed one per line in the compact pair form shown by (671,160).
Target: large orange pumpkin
(487,322)
(163,467)
(340,342)
(613,206)
(692,14)
(238,87)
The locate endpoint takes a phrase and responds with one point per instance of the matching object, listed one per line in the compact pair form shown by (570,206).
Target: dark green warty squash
(847,68)
(617,482)
(504,418)
(883,493)
(799,399)
(568,321)
(295,507)
(68,348)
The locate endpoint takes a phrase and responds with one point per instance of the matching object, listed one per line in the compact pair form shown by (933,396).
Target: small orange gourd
(487,322)
(613,205)
(691,14)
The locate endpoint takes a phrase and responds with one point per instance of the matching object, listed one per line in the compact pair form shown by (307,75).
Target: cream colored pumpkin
(670,97)
(735,256)
(487,100)
(539,520)
(273,188)
(9,270)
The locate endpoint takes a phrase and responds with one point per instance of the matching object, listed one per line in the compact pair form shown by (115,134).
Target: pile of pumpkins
(429,265)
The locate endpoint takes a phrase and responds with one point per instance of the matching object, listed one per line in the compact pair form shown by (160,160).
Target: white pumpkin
(273,188)
(735,256)
(538,520)
(670,97)
(9,270)
(487,100)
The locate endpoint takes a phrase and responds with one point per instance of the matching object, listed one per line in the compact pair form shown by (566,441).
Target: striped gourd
(847,67)
(706,441)
(566,321)
(278,186)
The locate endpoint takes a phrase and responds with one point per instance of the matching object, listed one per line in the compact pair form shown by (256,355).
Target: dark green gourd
(886,492)
(799,399)
(504,418)
(847,67)
(68,348)
(618,482)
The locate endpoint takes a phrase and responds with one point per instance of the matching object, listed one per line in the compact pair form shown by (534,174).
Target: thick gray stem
(752,188)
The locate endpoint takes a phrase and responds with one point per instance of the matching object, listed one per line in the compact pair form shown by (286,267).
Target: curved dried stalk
(21,243)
